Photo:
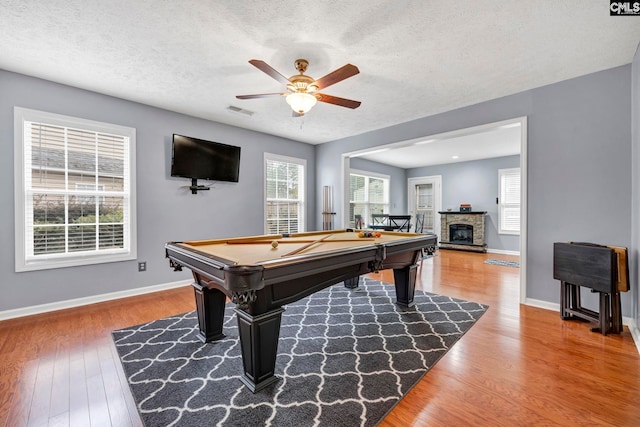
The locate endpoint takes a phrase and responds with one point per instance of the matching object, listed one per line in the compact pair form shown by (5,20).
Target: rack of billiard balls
(369,234)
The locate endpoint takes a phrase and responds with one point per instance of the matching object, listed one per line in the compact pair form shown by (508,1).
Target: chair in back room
(400,223)
(419,228)
(379,221)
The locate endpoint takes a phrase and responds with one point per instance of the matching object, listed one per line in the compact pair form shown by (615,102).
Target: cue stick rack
(327,208)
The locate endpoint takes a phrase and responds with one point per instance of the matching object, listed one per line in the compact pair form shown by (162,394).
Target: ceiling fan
(302,90)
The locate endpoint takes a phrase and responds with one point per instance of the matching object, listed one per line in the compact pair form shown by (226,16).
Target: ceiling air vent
(240,111)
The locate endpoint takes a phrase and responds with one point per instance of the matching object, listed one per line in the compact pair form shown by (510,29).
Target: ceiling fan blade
(342,102)
(259,95)
(269,70)
(337,76)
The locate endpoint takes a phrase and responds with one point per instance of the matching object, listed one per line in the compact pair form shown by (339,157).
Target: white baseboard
(635,333)
(77,302)
(503,252)
(542,304)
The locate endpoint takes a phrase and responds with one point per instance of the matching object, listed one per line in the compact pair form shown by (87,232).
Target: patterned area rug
(345,358)
(502,262)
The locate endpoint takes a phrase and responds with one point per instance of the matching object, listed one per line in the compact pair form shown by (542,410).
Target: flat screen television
(199,159)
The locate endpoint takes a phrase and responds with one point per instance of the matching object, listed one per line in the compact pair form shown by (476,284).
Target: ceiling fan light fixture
(302,90)
(301,102)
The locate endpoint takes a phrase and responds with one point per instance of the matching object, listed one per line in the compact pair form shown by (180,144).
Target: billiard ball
(274,244)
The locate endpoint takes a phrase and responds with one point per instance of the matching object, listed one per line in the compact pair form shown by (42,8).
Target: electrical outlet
(142,266)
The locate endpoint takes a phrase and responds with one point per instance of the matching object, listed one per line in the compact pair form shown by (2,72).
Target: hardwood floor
(518,365)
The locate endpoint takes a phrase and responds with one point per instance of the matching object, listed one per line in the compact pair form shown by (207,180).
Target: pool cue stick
(268,242)
(265,242)
(361,239)
(308,245)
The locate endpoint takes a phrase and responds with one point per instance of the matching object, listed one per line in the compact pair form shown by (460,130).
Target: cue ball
(274,244)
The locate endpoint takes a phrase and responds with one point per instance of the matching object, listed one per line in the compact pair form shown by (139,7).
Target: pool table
(260,274)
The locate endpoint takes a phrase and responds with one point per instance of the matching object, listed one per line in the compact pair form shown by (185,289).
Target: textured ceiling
(416,58)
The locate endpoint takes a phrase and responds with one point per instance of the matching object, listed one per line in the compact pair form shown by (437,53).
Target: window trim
(302,221)
(501,173)
(22,263)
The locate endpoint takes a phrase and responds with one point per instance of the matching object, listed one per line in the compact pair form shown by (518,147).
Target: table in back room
(261,276)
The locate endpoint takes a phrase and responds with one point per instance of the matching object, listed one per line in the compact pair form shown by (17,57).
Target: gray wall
(397,182)
(579,177)
(475,182)
(166,212)
(579,164)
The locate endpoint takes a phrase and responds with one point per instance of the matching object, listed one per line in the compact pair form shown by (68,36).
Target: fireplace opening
(461,233)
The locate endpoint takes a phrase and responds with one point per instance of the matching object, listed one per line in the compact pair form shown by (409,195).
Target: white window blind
(368,195)
(90,187)
(74,199)
(509,202)
(285,196)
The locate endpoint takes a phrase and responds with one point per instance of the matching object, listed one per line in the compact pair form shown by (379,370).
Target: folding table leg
(564,300)
(604,318)
(616,313)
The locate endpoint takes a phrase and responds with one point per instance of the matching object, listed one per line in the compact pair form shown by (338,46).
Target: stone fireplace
(462,231)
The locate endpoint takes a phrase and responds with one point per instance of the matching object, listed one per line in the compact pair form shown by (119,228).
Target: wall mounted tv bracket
(195,187)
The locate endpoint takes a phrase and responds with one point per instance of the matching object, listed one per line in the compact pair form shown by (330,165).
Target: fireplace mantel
(473,219)
(462,213)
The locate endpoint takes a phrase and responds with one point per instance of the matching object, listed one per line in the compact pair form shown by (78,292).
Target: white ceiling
(416,58)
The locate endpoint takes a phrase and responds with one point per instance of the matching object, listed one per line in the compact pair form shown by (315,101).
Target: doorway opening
(406,156)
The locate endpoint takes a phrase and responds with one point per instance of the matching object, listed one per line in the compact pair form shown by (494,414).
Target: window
(509,202)
(368,194)
(284,194)
(74,191)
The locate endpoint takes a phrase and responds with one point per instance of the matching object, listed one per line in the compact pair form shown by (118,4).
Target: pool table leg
(259,345)
(352,283)
(210,306)
(405,280)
